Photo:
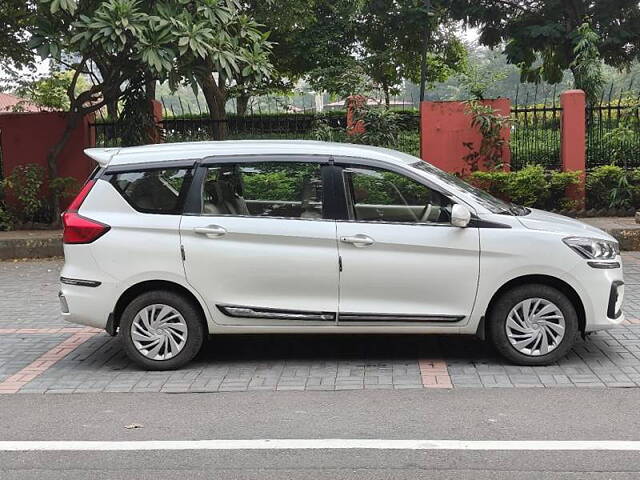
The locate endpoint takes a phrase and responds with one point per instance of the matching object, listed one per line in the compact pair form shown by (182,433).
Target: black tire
(192,317)
(497,319)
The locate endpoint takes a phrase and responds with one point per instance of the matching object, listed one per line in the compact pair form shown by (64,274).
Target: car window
(264,189)
(152,191)
(383,196)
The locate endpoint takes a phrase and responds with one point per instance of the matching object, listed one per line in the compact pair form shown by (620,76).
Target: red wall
(28,137)
(445,126)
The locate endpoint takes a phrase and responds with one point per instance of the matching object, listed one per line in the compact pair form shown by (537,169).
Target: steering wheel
(424,216)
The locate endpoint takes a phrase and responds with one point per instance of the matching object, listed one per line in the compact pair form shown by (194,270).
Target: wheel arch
(549,280)
(149,285)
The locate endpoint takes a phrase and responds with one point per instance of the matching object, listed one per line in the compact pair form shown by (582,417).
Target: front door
(259,249)
(402,260)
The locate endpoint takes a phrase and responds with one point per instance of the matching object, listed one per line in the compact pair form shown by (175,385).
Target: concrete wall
(446,127)
(27,138)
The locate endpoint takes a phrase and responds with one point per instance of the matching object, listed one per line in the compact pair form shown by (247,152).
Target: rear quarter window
(153,191)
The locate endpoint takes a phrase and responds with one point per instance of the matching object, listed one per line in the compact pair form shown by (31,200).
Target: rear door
(259,244)
(402,260)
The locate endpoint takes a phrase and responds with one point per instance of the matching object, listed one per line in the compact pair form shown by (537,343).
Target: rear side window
(153,191)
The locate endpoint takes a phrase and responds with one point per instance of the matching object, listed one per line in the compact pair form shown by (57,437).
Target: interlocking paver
(30,326)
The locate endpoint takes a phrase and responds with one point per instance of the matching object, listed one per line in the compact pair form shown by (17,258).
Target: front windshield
(485,199)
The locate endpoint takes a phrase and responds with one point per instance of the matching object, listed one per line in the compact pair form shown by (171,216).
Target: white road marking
(320,444)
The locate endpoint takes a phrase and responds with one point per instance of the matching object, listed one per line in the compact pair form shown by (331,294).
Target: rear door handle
(358,240)
(211,231)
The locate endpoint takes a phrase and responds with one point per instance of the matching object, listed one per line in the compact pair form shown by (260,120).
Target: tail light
(79,229)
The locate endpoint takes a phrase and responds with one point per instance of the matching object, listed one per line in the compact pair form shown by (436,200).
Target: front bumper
(602,296)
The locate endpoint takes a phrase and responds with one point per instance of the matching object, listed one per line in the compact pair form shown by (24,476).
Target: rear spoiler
(101,155)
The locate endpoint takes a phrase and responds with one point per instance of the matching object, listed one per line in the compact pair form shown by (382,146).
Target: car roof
(198,150)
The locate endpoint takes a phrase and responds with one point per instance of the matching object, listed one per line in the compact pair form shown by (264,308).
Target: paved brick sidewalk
(65,359)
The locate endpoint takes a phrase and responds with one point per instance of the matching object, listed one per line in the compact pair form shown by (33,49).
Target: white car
(169,243)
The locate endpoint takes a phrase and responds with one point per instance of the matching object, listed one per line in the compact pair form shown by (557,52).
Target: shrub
(611,186)
(25,185)
(533,186)
(6,221)
(381,127)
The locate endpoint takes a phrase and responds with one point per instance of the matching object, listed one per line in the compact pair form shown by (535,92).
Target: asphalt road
(463,414)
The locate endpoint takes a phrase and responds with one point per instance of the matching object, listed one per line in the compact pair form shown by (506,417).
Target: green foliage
(404,39)
(25,185)
(50,92)
(533,186)
(587,64)
(6,220)
(16,18)
(136,120)
(476,80)
(540,36)
(63,187)
(381,127)
(490,125)
(611,186)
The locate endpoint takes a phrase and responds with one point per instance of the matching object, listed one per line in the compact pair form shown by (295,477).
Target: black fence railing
(613,133)
(285,126)
(535,136)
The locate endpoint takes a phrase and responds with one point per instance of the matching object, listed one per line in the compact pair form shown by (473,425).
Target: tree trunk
(112,110)
(52,161)
(387,99)
(242,102)
(216,99)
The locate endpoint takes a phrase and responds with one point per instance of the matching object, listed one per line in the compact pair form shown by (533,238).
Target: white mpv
(169,243)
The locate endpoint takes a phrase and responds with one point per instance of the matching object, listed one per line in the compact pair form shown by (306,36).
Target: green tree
(546,37)
(406,39)
(50,91)
(16,18)
(312,39)
(119,44)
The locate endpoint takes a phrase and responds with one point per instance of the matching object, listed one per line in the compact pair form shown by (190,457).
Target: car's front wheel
(533,324)
(161,330)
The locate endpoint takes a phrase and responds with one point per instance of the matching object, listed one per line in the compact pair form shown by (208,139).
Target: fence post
(355,102)
(572,141)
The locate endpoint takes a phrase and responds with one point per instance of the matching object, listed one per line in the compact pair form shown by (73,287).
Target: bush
(611,186)
(533,186)
(25,185)
(6,221)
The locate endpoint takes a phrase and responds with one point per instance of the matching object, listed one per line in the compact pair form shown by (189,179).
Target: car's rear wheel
(533,325)
(161,330)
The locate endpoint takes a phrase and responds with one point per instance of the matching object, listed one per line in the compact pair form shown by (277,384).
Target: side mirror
(460,215)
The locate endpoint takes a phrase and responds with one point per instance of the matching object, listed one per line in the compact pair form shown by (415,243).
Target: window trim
(193,203)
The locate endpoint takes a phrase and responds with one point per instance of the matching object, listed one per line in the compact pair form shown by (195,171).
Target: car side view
(167,244)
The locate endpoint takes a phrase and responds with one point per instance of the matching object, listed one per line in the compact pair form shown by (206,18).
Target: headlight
(593,248)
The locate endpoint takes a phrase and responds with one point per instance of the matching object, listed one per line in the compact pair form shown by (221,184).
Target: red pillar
(445,129)
(355,102)
(573,140)
(156,108)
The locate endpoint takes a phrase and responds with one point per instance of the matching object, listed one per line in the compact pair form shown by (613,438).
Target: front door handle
(359,240)
(211,231)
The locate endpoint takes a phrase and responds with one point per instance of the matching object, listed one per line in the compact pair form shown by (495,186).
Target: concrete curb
(30,244)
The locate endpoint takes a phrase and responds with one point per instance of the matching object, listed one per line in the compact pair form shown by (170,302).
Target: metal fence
(535,132)
(613,130)
(182,125)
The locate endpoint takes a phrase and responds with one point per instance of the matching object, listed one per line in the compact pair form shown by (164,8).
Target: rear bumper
(86,305)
